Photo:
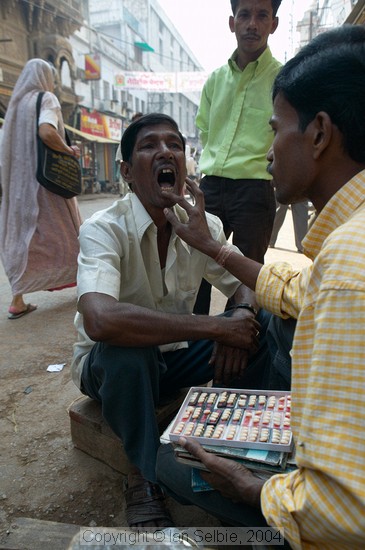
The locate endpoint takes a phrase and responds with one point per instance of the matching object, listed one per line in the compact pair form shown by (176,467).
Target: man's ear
(322,133)
(231,23)
(125,170)
(275,24)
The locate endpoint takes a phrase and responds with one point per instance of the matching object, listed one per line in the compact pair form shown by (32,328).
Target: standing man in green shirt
(233,120)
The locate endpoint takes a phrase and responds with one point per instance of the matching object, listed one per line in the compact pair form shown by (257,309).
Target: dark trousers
(246,208)
(176,477)
(130,382)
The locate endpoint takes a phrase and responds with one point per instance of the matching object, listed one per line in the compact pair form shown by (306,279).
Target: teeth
(167,171)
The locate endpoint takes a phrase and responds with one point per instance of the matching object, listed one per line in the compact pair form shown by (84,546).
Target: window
(138,55)
(106,87)
(65,73)
(95,86)
(161,49)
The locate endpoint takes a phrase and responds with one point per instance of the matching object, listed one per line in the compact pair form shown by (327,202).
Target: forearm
(122,324)
(244,295)
(52,139)
(243,268)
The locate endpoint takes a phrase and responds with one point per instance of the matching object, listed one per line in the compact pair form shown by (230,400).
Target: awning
(144,46)
(90,137)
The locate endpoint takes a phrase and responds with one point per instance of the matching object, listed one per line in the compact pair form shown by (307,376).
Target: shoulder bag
(58,172)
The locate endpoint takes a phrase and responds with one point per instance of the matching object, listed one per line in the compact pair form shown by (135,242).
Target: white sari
(38,229)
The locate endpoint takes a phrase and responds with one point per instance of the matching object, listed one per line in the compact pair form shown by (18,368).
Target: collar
(143,220)
(335,213)
(261,62)
(141,217)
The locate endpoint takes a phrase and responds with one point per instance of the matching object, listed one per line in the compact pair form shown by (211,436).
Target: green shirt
(233,119)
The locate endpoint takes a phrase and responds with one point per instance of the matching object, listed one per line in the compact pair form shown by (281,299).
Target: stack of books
(263,463)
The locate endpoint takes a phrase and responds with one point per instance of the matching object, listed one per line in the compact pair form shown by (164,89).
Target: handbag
(58,172)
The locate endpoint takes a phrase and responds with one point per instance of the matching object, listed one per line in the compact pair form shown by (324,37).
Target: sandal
(146,504)
(14,314)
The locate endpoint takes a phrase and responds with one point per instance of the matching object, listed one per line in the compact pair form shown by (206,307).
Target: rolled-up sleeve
(280,289)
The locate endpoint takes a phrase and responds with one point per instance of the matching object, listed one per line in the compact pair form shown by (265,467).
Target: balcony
(60,16)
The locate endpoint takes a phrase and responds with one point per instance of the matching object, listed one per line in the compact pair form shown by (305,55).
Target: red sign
(100,125)
(92,66)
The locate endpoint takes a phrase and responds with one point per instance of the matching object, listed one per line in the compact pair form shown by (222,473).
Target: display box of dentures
(253,419)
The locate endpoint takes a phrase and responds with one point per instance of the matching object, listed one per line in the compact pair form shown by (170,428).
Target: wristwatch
(245,305)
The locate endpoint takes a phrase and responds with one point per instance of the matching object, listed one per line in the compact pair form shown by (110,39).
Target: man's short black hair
(274,3)
(328,74)
(130,135)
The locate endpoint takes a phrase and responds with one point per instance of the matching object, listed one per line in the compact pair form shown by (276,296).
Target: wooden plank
(92,435)
(103,447)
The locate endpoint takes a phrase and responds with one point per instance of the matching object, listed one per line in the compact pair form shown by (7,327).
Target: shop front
(98,136)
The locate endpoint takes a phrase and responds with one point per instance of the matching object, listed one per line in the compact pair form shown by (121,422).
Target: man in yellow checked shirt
(318,153)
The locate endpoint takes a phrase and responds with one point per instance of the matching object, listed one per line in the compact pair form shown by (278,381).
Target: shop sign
(100,125)
(161,82)
(114,127)
(92,66)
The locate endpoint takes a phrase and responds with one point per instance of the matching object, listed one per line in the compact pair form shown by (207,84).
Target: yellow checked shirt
(322,504)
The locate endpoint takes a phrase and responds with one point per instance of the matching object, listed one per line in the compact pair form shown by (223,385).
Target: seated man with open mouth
(138,340)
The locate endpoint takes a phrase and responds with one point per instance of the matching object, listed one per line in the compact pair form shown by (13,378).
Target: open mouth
(166,179)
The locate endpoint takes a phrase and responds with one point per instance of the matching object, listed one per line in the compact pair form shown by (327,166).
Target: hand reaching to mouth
(195,231)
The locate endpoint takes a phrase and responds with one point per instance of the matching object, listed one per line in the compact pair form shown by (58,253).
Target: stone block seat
(90,432)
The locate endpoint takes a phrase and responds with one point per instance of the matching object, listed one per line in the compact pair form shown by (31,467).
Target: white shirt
(119,257)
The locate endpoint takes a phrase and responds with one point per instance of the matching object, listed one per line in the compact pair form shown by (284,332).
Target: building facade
(90,42)
(37,29)
(150,43)
(328,14)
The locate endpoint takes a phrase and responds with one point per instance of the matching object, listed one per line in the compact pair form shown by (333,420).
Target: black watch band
(245,305)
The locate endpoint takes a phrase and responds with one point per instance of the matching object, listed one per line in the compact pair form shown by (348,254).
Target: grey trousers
(300,222)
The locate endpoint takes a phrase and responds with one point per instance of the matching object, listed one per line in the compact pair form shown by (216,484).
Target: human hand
(238,331)
(76,151)
(229,364)
(227,476)
(195,231)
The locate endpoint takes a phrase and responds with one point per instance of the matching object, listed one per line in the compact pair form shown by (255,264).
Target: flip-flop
(15,315)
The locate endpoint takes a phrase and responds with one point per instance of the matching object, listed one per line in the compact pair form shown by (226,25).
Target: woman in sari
(38,229)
